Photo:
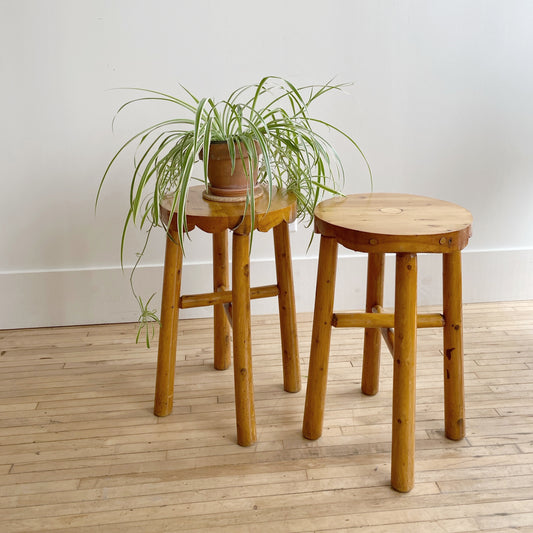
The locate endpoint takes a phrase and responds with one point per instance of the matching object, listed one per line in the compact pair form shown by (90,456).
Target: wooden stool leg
(453,347)
(404,381)
(221,341)
(168,332)
(372,342)
(242,345)
(321,336)
(287,309)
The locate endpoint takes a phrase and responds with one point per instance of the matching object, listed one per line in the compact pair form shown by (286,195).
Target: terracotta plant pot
(224,183)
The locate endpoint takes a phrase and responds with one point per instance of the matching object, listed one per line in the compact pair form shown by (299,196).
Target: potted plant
(262,134)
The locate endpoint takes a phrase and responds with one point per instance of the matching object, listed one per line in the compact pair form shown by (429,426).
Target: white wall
(441,106)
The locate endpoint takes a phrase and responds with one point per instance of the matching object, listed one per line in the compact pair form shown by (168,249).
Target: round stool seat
(213,217)
(388,222)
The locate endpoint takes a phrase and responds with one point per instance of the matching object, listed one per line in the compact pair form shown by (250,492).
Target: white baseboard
(94,296)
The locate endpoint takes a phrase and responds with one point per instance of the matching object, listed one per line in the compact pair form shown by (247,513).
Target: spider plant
(269,119)
(274,113)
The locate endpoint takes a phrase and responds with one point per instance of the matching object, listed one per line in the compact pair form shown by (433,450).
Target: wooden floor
(80,449)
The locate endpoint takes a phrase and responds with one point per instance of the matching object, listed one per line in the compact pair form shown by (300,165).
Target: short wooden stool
(405,225)
(231,307)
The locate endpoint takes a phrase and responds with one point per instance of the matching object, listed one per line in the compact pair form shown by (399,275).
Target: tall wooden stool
(231,307)
(405,225)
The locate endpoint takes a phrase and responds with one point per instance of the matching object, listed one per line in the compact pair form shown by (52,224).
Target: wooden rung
(229,313)
(424,320)
(363,320)
(224,297)
(382,320)
(265,291)
(388,337)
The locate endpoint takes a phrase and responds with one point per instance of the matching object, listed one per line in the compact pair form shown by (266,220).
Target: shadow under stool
(231,306)
(404,225)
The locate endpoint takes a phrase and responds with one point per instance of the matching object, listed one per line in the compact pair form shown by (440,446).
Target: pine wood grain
(80,449)
(390,222)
